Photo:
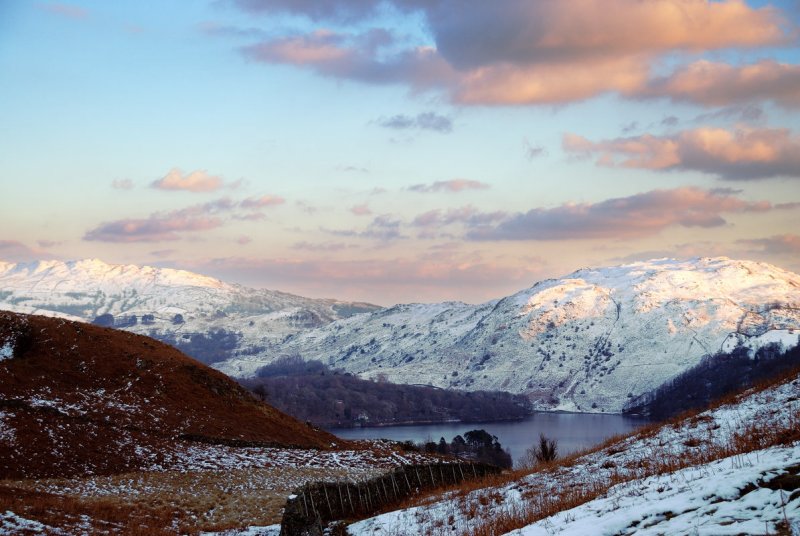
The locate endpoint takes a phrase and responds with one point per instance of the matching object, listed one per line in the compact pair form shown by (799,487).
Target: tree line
(714,377)
(312,391)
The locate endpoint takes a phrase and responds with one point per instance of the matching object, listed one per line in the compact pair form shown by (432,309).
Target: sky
(402,150)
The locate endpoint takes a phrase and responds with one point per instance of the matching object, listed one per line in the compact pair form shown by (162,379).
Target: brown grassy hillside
(77,399)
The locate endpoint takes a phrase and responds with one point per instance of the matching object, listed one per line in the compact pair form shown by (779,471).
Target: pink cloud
(720,84)
(740,154)
(162,226)
(16,251)
(550,31)
(196,181)
(551,83)
(243,240)
(361,210)
(786,244)
(547,52)
(353,56)
(636,216)
(153,229)
(453,186)
(262,202)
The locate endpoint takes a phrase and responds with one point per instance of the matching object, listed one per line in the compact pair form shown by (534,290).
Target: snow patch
(271,530)
(6,351)
(11,523)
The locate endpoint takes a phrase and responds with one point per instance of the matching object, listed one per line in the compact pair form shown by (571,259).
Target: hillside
(165,303)
(77,399)
(730,470)
(590,341)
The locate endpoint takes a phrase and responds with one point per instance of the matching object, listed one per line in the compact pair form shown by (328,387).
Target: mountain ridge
(585,342)
(162,302)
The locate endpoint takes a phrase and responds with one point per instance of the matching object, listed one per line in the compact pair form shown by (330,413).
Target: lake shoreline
(466,421)
(573,431)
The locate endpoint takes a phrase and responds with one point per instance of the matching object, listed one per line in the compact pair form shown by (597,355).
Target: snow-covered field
(686,478)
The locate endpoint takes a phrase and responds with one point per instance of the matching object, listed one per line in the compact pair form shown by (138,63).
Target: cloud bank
(545,52)
(739,154)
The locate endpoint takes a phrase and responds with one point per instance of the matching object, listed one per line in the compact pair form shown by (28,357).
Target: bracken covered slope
(78,399)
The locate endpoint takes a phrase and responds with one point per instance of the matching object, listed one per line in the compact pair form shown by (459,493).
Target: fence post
(350,498)
(311,496)
(385,494)
(407,482)
(305,504)
(325,489)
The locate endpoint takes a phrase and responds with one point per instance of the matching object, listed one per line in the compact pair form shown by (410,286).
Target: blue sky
(406,150)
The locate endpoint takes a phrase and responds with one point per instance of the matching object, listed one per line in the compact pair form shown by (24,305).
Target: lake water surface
(574,431)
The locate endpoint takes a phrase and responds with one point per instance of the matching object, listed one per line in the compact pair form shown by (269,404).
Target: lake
(574,431)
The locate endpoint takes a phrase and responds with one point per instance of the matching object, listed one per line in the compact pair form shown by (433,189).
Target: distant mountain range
(590,341)
(170,303)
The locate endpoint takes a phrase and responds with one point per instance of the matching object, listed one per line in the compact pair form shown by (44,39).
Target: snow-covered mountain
(86,289)
(589,341)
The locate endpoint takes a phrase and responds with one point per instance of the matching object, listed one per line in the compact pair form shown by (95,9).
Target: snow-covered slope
(729,470)
(588,342)
(85,289)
